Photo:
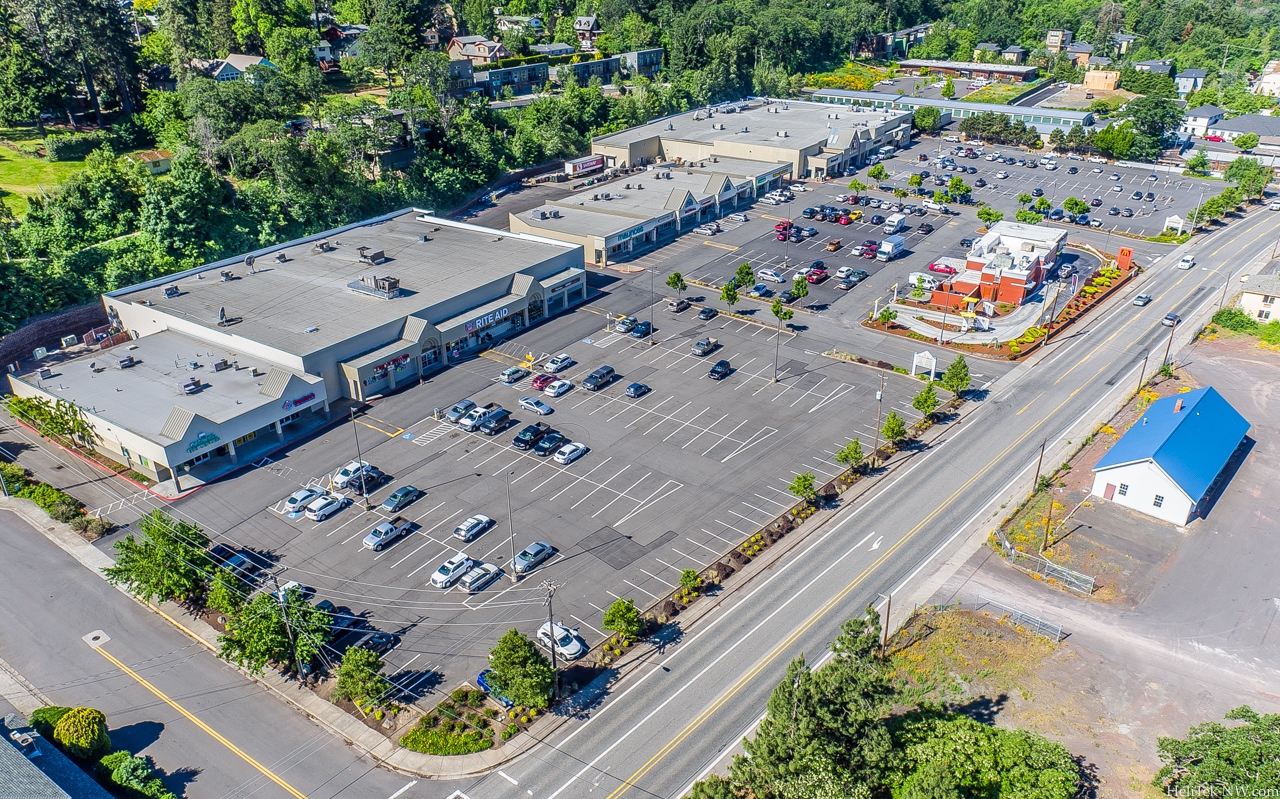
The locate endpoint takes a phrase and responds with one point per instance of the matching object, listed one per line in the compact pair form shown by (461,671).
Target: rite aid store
(227,354)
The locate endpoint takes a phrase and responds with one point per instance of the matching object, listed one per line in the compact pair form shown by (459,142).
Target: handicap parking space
(672,480)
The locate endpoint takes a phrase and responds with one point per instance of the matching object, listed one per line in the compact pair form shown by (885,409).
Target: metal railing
(1048,570)
(1035,624)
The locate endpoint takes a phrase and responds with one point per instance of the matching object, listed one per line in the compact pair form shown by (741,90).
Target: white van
(924,280)
(895,223)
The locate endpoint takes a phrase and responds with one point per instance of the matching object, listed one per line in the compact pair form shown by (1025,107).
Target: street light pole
(511,529)
(653,300)
(551,629)
(1169,345)
(355,432)
(879,410)
(1039,461)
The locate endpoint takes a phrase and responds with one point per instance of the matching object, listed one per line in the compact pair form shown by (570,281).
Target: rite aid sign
(303,400)
(488,319)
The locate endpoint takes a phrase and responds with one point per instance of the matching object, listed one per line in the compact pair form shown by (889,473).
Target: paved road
(671,723)
(50,601)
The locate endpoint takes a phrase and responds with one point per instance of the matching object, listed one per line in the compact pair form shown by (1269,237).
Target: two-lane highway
(694,702)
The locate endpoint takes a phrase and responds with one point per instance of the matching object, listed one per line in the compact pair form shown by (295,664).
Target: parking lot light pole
(551,630)
(653,300)
(355,432)
(511,529)
(875,448)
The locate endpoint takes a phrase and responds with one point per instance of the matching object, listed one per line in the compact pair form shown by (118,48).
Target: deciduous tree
(956,376)
(360,678)
(926,401)
(1214,755)
(850,454)
(167,560)
(521,672)
(264,631)
(895,427)
(803,486)
(675,281)
(623,618)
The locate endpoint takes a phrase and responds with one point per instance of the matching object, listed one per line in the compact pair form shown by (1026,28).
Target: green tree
(800,288)
(1042,205)
(803,486)
(949,88)
(1058,140)
(956,376)
(675,282)
(82,734)
(729,294)
(1028,217)
(915,181)
(857,187)
(989,215)
(850,454)
(265,632)
(887,315)
(1199,163)
(623,618)
(927,118)
(713,786)
(781,312)
(895,427)
(689,579)
(877,172)
(168,560)
(28,84)
(1249,175)
(744,277)
(1024,198)
(1214,755)
(1075,205)
(226,591)
(360,678)
(1245,142)
(520,671)
(926,401)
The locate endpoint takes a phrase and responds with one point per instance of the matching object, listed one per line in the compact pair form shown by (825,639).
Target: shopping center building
(228,358)
(700,165)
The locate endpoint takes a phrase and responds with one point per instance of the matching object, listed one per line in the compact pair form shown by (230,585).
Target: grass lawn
(24,175)
(998,93)
(853,75)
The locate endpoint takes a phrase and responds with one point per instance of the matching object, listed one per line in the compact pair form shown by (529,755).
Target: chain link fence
(1035,624)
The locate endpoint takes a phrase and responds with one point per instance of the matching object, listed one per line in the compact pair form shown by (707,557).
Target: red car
(946,269)
(783,225)
(540,382)
(1213,138)
(844,220)
(816,275)
(869,253)
(782,236)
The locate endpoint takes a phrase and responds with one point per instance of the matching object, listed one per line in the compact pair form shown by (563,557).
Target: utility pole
(511,529)
(355,432)
(879,410)
(288,628)
(1169,345)
(1048,521)
(1036,482)
(1142,373)
(1196,216)
(884,625)
(555,668)
(653,300)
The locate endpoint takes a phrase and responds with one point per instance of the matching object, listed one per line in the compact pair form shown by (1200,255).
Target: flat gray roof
(138,398)
(282,301)
(1077,117)
(1250,123)
(805,122)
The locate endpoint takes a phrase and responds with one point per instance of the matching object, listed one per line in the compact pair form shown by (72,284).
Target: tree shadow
(584,698)
(178,780)
(982,709)
(1089,779)
(137,736)
(411,685)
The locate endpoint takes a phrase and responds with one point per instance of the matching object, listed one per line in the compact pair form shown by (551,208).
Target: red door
(1109,492)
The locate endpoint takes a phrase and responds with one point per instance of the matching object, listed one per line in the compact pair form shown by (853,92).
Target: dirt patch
(1077,98)
(986,667)
(1122,549)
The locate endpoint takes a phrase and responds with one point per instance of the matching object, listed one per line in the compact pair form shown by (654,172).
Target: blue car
(483,680)
(642,330)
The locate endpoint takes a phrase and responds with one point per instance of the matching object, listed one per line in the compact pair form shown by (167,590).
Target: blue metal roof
(1190,444)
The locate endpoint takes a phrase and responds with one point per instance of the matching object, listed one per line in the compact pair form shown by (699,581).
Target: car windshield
(565,640)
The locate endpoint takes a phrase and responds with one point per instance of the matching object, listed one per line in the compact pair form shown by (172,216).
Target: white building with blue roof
(1172,459)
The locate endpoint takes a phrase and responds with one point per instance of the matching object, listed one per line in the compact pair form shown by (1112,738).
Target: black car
(1137,195)
(1095,202)
(817,265)
(1083,219)
(864,201)
(720,371)
(1150,197)
(1073,170)
(707,314)
(921,211)
(924,173)
(531,435)
(858,276)
(980,183)
(925,228)
(966,242)
(550,443)
(787,296)
(808,213)
(1037,192)
(876,219)
(1055,214)
(365,483)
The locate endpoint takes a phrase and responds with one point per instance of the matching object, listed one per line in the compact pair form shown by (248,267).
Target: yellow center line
(266,772)
(826,608)
(1028,405)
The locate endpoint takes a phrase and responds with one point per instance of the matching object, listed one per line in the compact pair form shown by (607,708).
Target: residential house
(1108,80)
(990,49)
(1079,52)
(553,49)
(1014,54)
(1122,42)
(1160,66)
(646,63)
(31,767)
(156,162)
(431,38)
(1260,297)
(588,30)
(1268,83)
(581,73)
(1097,62)
(1189,80)
(1198,120)
(1055,41)
(891,44)
(344,40)
(233,67)
(1172,461)
(1265,125)
(531,25)
(461,76)
(476,49)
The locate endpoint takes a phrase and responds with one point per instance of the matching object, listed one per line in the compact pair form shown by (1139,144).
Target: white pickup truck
(385,533)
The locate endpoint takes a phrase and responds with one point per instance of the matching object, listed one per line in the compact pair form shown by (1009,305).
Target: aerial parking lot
(673,475)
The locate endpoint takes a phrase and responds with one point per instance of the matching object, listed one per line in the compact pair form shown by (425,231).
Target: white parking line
(619,496)
(650,501)
(579,479)
(686,424)
(656,577)
(638,588)
(671,417)
(426,534)
(704,546)
(724,437)
(585,624)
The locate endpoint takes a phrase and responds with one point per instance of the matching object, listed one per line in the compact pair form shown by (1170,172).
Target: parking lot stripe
(807,392)
(833,396)
(670,417)
(650,501)
(577,479)
(656,577)
(722,538)
(599,486)
(756,438)
(730,526)
(619,496)
(427,535)
(724,437)
(585,624)
(704,546)
(638,588)
(686,424)
(773,501)
(700,432)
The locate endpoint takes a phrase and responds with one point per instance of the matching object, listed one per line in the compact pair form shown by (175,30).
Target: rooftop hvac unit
(782,134)
(627,186)
(604,195)
(538,213)
(193,365)
(126,362)
(555,214)
(281,257)
(671,127)
(227,274)
(220,364)
(191,386)
(424,238)
(745,129)
(70,341)
(383,283)
(371,256)
(639,186)
(45,373)
(171,291)
(595,197)
(321,246)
